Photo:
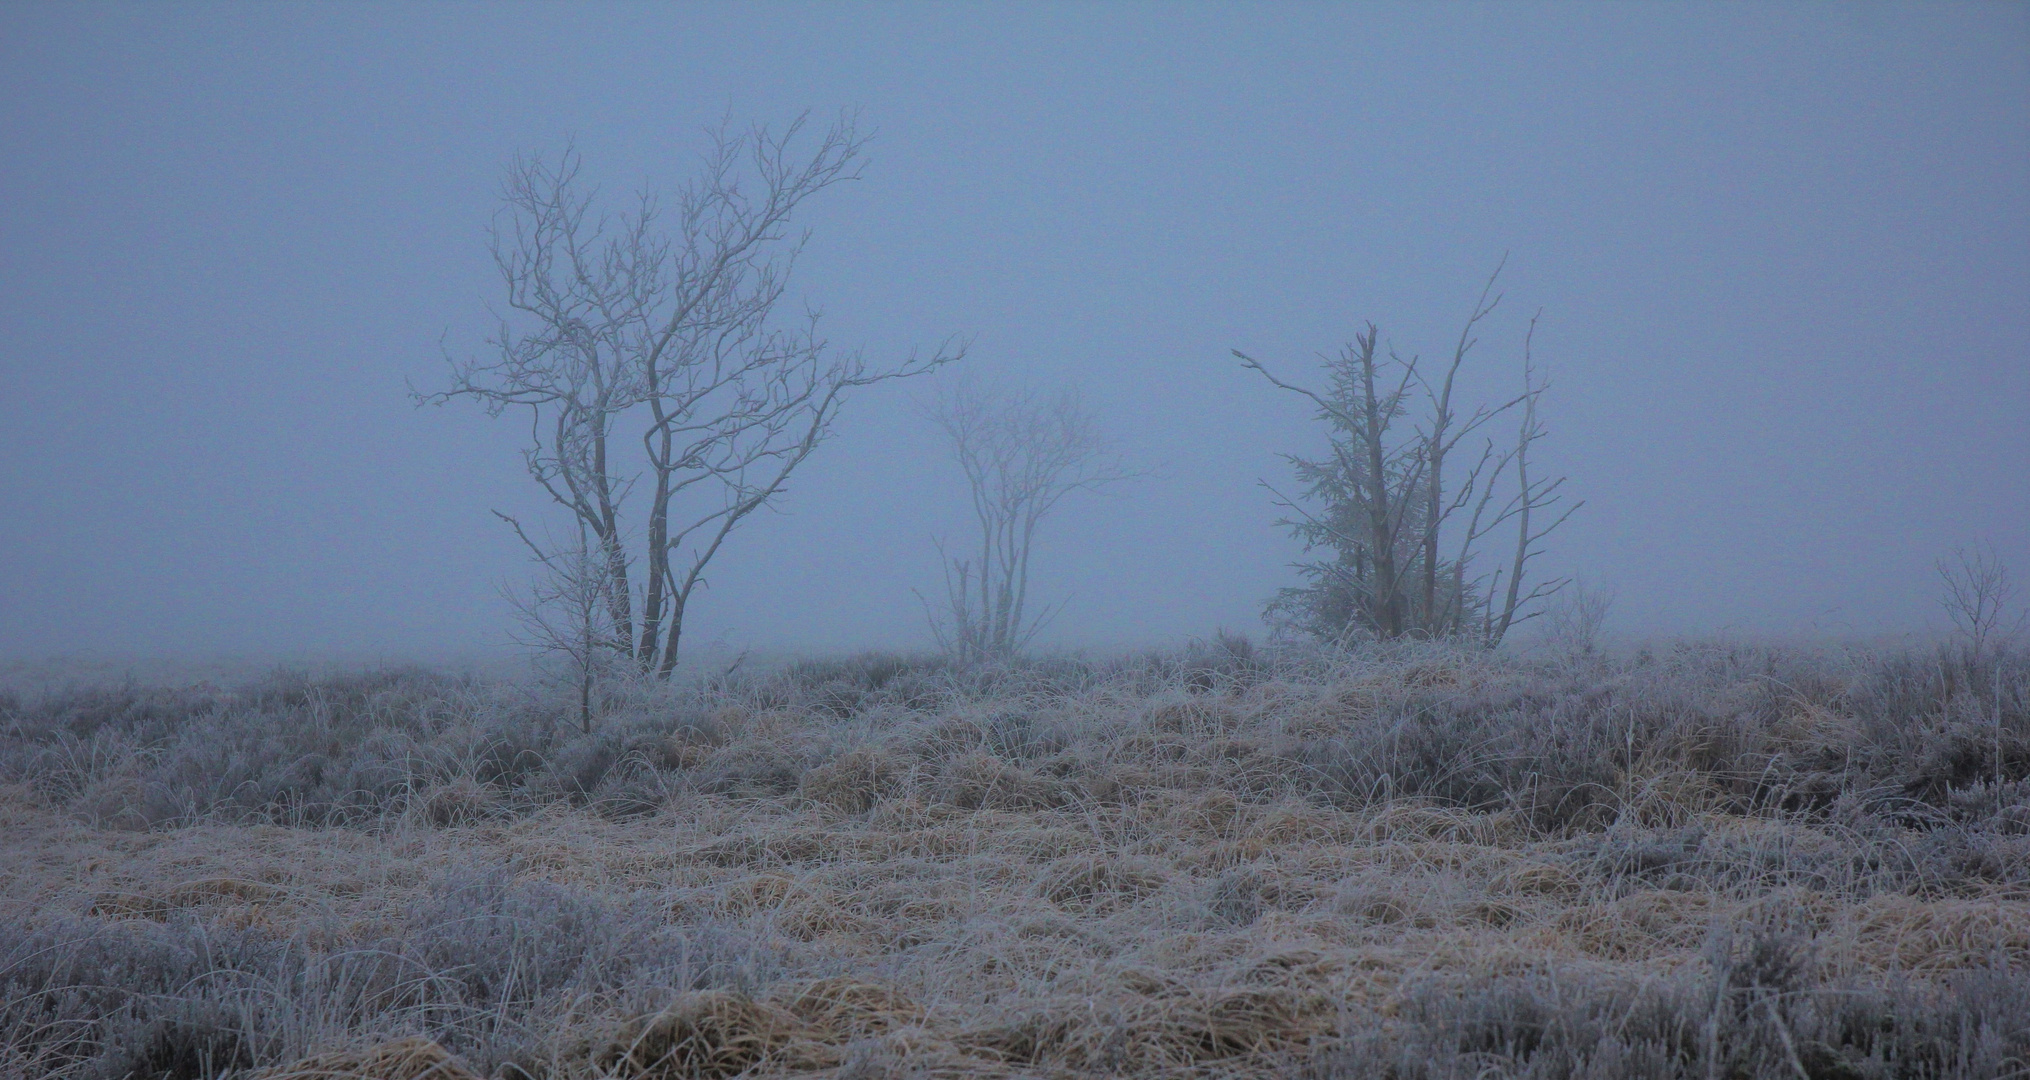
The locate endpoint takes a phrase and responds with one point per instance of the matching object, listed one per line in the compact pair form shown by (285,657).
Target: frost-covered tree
(667,397)
(1402,533)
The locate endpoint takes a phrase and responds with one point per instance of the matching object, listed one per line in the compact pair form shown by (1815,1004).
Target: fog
(1782,255)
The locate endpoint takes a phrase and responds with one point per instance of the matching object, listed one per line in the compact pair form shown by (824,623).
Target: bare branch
(1021,454)
(658,327)
(1977,594)
(1389,509)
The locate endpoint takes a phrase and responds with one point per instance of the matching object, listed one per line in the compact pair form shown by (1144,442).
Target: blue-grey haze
(1782,252)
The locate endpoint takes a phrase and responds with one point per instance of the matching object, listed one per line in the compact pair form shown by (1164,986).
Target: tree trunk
(1434,511)
(619,595)
(673,635)
(1385,606)
(1522,534)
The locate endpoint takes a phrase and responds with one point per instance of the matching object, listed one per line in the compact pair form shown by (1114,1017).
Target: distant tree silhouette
(1022,453)
(1976,594)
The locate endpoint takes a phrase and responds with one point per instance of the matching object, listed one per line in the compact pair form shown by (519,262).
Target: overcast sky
(1782,254)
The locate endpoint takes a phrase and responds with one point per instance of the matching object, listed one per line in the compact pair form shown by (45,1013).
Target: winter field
(1699,860)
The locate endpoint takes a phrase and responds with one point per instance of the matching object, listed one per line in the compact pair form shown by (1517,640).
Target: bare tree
(1387,502)
(1977,595)
(1021,453)
(648,353)
(1445,430)
(1572,623)
(566,614)
(1530,498)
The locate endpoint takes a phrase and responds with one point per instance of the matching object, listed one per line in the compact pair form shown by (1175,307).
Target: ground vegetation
(1421,860)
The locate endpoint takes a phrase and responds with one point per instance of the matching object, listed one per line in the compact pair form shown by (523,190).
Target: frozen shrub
(574,769)
(481,967)
(843,687)
(89,998)
(854,781)
(1100,885)
(751,771)
(1571,748)
(459,801)
(1228,662)
(1570,1025)
(185,1040)
(1020,735)
(1220,860)
(1238,897)
(493,941)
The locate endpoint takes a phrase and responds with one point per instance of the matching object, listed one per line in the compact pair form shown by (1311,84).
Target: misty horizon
(1781,255)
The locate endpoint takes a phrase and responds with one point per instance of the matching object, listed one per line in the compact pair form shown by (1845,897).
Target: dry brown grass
(402,1059)
(1124,878)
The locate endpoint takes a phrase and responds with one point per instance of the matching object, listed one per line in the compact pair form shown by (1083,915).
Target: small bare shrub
(1573,620)
(1978,598)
